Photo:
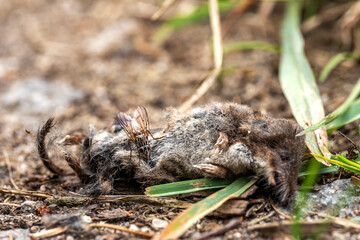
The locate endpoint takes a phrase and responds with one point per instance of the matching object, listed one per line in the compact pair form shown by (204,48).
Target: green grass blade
(347,161)
(182,20)
(301,208)
(186,186)
(353,167)
(298,82)
(251,45)
(197,211)
(304,169)
(338,112)
(196,185)
(352,114)
(333,62)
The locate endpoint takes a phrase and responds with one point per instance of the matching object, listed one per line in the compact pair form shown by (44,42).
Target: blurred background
(82,61)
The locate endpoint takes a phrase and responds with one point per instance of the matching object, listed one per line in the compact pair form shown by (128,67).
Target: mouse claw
(220,144)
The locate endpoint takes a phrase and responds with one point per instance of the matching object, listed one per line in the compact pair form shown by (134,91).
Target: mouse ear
(265,130)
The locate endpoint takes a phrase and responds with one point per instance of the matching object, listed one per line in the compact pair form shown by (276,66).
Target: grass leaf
(338,112)
(197,211)
(186,186)
(251,45)
(298,82)
(342,162)
(304,169)
(300,210)
(352,114)
(333,62)
(182,20)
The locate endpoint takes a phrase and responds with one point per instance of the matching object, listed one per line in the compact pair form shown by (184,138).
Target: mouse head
(282,150)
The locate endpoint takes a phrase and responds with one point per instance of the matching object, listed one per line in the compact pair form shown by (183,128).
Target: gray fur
(256,144)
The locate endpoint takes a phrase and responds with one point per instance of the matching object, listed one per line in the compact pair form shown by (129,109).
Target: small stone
(34,229)
(42,188)
(86,219)
(29,203)
(53,207)
(69,237)
(159,223)
(134,227)
(237,235)
(145,229)
(99,237)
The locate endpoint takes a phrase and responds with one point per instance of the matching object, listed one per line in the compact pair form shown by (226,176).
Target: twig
(340,221)
(10,204)
(24,193)
(48,233)
(257,220)
(221,230)
(279,212)
(352,142)
(73,201)
(44,156)
(164,6)
(7,160)
(235,13)
(327,15)
(155,201)
(286,224)
(112,226)
(218,57)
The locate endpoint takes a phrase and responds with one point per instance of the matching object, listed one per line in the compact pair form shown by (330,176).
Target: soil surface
(83,61)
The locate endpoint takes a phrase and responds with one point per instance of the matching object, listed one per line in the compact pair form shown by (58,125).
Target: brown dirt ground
(52,40)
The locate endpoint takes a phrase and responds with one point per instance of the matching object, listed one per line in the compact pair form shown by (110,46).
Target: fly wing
(126,123)
(142,118)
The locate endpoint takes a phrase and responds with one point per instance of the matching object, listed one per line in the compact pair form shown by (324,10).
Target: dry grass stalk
(123,229)
(218,57)
(164,6)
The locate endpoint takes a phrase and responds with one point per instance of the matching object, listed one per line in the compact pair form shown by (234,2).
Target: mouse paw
(212,170)
(221,143)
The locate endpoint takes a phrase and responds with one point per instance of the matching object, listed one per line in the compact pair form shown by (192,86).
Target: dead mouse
(220,140)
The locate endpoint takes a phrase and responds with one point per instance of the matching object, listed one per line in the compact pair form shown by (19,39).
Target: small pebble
(86,219)
(98,237)
(134,227)
(42,188)
(145,229)
(29,203)
(34,229)
(159,223)
(69,237)
(237,235)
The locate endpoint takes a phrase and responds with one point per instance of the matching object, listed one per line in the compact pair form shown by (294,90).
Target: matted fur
(255,143)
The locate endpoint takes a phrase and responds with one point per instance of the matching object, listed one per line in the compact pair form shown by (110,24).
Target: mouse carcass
(220,140)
